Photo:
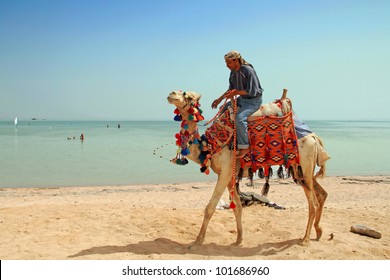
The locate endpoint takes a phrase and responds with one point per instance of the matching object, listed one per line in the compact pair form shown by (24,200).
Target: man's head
(234,60)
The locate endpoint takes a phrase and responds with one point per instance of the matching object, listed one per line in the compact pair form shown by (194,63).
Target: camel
(310,149)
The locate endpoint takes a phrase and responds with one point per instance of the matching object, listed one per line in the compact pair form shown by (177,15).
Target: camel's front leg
(208,213)
(222,183)
(238,214)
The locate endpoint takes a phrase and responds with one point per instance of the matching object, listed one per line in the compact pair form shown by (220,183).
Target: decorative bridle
(184,139)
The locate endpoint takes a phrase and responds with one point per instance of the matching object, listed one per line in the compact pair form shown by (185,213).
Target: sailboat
(16,121)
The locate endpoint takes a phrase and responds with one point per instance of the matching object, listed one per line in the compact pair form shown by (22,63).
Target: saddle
(272,137)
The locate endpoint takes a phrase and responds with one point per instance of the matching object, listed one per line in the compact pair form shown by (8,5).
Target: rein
(234,158)
(217,114)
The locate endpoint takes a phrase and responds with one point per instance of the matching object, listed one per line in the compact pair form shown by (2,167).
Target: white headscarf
(236,55)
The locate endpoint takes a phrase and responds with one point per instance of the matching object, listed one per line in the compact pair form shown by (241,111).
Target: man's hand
(228,94)
(215,103)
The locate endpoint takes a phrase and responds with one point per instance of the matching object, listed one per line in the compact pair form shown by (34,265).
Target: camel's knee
(324,195)
(311,199)
(210,209)
(320,192)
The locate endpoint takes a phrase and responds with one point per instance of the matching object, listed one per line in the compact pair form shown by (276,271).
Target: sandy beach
(161,221)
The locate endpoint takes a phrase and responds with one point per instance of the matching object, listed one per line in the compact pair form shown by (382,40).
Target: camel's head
(182,98)
(187,105)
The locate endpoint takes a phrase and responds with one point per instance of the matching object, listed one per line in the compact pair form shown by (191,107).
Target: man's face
(232,64)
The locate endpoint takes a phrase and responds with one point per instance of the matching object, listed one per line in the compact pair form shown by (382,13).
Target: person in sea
(244,83)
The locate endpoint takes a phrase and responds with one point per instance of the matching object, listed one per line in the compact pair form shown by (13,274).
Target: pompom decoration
(185,152)
(185,139)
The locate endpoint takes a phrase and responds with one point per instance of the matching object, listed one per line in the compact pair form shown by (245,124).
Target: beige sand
(161,221)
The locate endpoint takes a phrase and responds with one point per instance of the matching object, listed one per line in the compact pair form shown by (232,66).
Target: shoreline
(207,180)
(160,221)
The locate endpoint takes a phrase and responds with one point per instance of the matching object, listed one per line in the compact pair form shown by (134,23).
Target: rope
(234,158)
(155,151)
(217,114)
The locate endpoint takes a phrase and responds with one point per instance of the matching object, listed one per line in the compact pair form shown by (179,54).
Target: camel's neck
(188,135)
(188,125)
(192,127)
(188,139)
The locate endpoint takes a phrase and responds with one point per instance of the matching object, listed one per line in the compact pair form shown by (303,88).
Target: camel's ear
(193,95)
(177,92)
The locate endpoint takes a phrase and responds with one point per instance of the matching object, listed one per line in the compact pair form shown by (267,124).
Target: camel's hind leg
(313,204)
(321,196)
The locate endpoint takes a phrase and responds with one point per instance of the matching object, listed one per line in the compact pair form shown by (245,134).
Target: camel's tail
(322,157)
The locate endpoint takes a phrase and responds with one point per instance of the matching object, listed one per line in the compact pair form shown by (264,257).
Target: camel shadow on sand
(166,246)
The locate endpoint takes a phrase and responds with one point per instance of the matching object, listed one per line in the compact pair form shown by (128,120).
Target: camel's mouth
(173,98)
(170,99)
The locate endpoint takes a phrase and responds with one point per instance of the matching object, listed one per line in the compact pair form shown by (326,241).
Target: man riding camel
(243,81)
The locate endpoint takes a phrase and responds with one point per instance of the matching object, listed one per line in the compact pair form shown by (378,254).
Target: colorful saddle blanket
(273,141)
(220,133)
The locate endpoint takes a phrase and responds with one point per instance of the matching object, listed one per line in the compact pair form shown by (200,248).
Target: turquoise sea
(39,153)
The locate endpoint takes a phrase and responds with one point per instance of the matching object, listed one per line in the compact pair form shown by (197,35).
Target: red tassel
(207,171)
(232,205)
(176,112)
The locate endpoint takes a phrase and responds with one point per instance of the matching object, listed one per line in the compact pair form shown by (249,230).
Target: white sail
(16,121)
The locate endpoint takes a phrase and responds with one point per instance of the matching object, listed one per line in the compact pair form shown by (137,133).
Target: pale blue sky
(118,60)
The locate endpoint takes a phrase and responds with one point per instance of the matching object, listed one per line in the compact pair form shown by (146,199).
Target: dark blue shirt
(246,79)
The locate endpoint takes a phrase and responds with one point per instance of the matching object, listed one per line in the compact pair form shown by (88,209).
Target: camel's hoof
(319,233)
(237,243)
(193,247)
(196,245)
(304,242)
